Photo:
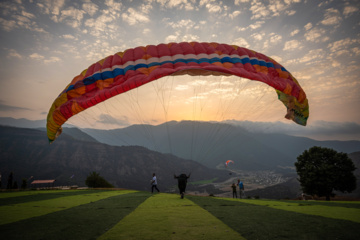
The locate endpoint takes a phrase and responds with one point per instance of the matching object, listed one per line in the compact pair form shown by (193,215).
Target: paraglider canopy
(124,71)
(227,162)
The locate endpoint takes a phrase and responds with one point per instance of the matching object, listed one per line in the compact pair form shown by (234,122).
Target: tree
(94,180)
(322,171)
(24,183)
(10,181)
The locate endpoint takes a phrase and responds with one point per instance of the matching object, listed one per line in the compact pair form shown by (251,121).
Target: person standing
(233,186)
(154,183)
(182,182)
(241,188)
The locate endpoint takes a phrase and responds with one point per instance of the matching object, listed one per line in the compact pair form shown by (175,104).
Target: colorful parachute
(228,161)
(132,68)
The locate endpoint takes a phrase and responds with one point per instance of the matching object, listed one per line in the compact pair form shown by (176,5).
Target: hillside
(27,153)
(208,143)
(211,144)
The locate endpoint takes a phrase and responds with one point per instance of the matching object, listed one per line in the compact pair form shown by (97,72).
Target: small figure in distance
(154,183)
(241,188)
(182,182)
(233,186)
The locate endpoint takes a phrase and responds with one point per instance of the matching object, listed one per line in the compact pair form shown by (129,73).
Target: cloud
(313,54)
(272,8)
(213,7)
(107,119)
(27,14)
(331,17)
(72,16)
(308,26)
(234,14)
(316,35)
(113,5)
(190,38)
(179,4)
(259,10)
(342,44)
(101,25)
(51,7)
(254,26)
(7,25)
(241,42)
(274,38)
(133,17)
(293,33)
(184,23)
(52,60)
(36,56)
(14,54)
(349,10)
(292,44)
(258,36)
(15,16)
(68,36)
(10,108)
(171,38)
(90,8)
(238,2)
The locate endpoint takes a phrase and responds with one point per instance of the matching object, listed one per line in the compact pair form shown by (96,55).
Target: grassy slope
(85,221)
(140,215)
(20,211)
(346,211)
(166,216)
(256,221)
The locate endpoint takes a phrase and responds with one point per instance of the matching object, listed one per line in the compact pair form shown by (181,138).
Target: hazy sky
(44,44)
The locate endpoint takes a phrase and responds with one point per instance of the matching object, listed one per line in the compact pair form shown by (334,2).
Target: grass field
(127,214)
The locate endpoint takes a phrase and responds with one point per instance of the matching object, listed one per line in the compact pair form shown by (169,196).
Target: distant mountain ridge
(27,152)
(213,143)
(22,122)
(209,143)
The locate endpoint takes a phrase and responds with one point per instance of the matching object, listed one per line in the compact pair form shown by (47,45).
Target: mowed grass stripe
(329,211)
(29,196)
(255,221)
(87,221)
(24,193)
(347,204)
(16,212)
(166,216)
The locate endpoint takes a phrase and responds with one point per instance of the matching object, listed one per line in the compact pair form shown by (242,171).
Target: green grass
(29,196)
(126,214)
(86,221)
(258,219)
(20,211)
(349,211)
(203,181)
(166,216)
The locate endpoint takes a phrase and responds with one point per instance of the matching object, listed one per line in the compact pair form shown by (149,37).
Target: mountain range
(127,157)
(27,152)
(211,144)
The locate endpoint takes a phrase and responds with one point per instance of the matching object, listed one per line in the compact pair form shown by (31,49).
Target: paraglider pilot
(182,181)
